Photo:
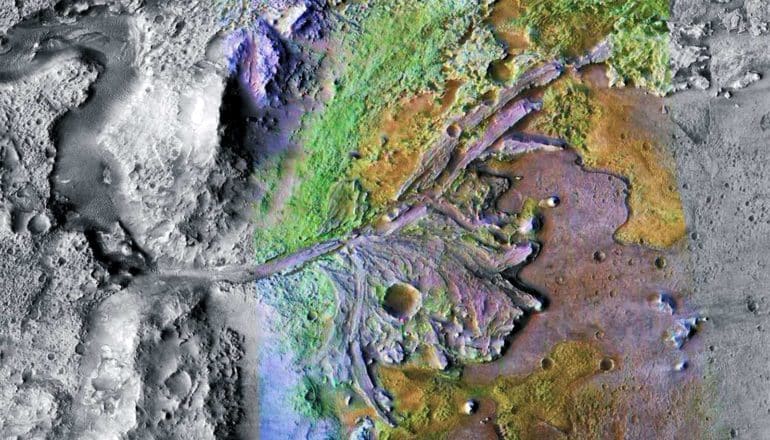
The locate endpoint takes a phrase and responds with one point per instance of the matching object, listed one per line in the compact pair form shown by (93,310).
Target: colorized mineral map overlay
(384,219)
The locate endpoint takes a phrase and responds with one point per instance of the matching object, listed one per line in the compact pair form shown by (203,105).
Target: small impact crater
(402,300)
(607,364)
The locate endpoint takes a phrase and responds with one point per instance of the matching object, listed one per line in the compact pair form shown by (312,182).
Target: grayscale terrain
(113,181)
(723,154)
